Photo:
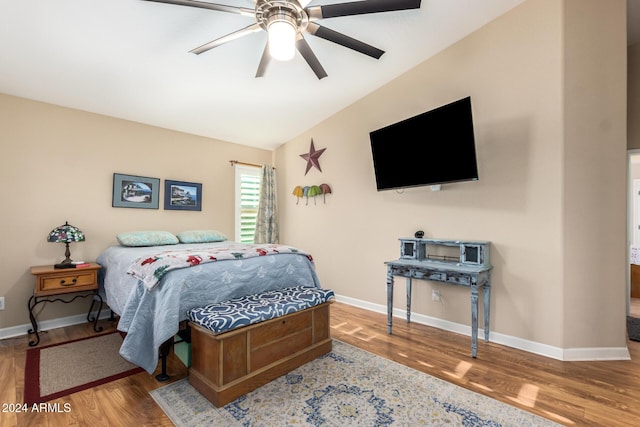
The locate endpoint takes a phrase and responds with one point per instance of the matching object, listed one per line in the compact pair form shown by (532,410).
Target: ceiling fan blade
(210,6)
(225,39)
(308,55)
(344,40)
(360,7)
(264,61)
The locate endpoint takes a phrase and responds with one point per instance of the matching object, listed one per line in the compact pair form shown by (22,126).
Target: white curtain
(267,220)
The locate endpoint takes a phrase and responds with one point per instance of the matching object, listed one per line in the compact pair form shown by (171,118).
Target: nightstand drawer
(78,279)
(50,281)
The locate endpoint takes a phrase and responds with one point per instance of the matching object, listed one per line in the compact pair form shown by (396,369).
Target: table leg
(408,300)
(487,309)
(474,319)
(33,301)
(389,300)
(94,320)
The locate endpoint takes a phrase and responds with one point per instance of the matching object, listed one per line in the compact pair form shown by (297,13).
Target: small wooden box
(228,365)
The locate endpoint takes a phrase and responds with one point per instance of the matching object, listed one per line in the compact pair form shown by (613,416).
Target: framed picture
(130,191)
(184,196)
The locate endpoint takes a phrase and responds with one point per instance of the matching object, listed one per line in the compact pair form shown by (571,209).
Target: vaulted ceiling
(130,59)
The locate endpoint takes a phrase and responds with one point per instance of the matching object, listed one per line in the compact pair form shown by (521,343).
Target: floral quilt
(150,269)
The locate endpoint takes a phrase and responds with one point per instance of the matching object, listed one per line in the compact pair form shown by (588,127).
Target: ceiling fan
(286,21)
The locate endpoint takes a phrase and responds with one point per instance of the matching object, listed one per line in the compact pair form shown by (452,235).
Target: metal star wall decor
(312,157)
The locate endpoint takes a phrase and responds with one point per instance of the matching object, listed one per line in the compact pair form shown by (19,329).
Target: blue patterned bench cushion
(237,312)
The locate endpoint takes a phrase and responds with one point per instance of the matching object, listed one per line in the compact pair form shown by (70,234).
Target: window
(247,198)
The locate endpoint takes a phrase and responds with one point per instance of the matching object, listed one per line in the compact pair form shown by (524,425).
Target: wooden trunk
(228,365)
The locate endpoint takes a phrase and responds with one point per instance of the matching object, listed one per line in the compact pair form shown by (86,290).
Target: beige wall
(518,76)
(551,193)
(57,164)
(633,117)
(594,179)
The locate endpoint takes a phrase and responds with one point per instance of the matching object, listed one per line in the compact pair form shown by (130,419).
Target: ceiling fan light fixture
(282,36)
(288,21)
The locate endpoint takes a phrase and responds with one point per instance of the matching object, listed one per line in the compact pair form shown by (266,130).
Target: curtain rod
(236,162)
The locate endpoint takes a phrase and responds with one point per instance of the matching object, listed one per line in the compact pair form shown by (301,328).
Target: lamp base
(66,262)
(64,265)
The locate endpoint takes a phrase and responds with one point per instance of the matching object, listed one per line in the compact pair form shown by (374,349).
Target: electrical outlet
(435,295)
(1,303)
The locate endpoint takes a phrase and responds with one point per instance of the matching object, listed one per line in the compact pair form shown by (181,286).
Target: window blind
(247,199)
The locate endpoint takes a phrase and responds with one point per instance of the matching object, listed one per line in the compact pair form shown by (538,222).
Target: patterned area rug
(346,387)
(633,328)
(61,369)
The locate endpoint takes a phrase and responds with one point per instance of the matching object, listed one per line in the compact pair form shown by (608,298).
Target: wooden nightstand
(52,282)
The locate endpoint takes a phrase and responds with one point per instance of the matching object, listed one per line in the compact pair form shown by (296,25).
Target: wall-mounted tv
(434,147)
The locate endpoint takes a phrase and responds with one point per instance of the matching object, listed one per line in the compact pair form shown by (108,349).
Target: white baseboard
(567,354)
(598,353)
(45,325)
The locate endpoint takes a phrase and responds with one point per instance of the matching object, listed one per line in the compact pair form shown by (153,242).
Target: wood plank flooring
(570,393)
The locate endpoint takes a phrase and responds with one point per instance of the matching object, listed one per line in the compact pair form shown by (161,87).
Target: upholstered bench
(242,344)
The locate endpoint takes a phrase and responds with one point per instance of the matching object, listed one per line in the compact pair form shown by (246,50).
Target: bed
(150,313)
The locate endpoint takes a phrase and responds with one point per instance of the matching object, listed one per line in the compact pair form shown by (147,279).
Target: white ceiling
(130,59)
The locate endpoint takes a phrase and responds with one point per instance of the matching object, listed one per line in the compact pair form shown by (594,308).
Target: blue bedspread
(151,317)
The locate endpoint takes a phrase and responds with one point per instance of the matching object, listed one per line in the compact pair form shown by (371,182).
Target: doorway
(633,233)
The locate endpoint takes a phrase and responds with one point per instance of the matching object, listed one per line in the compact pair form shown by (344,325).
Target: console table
(428,259)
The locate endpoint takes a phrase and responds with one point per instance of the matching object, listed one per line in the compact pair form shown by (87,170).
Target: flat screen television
(434,147)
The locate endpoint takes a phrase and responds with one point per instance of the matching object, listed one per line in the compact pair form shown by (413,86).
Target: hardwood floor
(570,393)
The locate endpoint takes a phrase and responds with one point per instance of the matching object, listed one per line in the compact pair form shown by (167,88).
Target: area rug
(633,328)
(346,387)
(61,369)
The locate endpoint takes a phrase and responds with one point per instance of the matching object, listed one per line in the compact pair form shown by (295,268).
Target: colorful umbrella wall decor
(325,190)
(314,191)
(305,193)
(298,193)
(311,191)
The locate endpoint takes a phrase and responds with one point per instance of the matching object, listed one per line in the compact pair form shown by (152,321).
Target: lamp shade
(65,234)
